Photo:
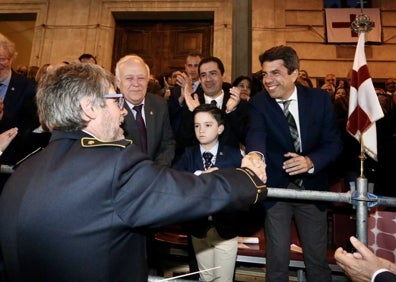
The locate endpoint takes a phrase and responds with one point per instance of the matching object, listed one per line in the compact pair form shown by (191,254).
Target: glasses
(119,98)
(4,60)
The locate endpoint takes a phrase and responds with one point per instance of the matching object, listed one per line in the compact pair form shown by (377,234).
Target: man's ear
(220,129)
(294,74)
(88,110)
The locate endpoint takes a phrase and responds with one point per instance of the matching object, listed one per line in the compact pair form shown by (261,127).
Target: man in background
(147,123)
(17,108)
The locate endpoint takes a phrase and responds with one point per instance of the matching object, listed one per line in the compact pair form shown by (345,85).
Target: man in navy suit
(299,163)
(363,265)
(77,210)
(133,76)
(213,90)
(17,107)
(176,99)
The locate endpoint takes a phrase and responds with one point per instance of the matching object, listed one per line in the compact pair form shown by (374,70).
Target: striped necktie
(294,134)
(292,125)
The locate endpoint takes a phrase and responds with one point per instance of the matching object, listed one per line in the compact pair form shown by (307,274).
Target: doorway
(163,41)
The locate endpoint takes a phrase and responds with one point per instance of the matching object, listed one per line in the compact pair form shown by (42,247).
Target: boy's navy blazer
(227,157)
(226,224)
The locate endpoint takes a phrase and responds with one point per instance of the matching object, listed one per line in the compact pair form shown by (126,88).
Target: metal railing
(359,197)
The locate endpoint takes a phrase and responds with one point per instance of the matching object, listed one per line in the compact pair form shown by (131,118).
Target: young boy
(214,238)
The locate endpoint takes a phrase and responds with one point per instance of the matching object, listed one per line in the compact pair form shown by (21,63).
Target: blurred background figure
(330,89)
(390,86)
(244,83)
(22,70)
(32,71)
(303,78)
(331,78)
(87,58)
(341,92)
(41,72)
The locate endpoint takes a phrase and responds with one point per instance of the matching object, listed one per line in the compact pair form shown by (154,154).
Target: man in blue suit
(17,108)
(295,163)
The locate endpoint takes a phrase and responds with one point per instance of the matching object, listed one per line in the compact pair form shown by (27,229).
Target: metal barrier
(359,198)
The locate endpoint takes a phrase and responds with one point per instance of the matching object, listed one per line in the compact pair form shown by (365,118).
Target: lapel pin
(12,89)
(151,113)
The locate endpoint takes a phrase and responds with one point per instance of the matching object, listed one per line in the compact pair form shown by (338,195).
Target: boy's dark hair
(212,110)
(216,60)
(282,52)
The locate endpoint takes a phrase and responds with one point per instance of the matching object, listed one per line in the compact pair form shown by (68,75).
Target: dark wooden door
(164,45)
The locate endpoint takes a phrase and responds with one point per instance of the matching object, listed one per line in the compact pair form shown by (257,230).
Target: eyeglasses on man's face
(118,97)
(4,60)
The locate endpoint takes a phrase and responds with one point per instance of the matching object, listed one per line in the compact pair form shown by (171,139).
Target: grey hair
(8,45)
(60,92)
(128,58)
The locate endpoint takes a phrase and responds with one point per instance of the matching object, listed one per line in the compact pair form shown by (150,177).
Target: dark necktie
(207,156)
(3,90)
(292,125)
(213,102)
(294,134)
(142,127)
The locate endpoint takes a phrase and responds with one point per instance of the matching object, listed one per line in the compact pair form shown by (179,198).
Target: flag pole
(362,156)
(361,24)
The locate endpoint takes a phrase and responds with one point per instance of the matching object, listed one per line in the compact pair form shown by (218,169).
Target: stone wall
(65,29)
(301,24)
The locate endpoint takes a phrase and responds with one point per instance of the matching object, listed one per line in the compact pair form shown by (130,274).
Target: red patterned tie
(142,127)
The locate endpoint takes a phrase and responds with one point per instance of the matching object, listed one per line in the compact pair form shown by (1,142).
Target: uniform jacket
(269,133)
(76,210)
(160,141)
(225,223)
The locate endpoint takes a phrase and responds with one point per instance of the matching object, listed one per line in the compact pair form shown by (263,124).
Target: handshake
(255,161)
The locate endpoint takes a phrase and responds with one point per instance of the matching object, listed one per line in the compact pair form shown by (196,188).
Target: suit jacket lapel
(304,110)
(197,158)
(278,120)
(151,126)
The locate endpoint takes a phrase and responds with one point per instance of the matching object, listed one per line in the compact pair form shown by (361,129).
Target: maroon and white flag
(364,107)
(338,25)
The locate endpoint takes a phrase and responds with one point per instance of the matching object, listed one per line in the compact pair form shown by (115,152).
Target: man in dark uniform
(76,211)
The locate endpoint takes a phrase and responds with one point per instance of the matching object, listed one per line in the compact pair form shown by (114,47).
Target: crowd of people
(100,160)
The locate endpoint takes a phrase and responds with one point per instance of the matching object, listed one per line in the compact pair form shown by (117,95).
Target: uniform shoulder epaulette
(90,142)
